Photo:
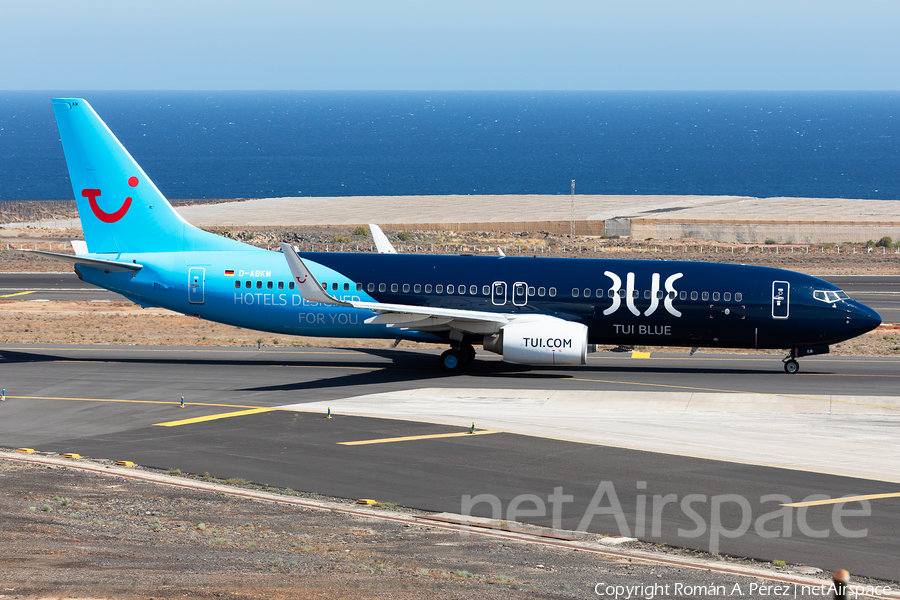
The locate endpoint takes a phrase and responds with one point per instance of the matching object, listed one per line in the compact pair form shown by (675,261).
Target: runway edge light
(328,416)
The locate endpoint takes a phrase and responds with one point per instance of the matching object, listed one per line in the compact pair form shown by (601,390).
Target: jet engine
(548,341)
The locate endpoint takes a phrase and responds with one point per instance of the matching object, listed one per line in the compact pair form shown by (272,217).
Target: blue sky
(459,45)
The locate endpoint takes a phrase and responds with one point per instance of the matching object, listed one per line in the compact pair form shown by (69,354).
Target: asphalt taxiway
(669,429)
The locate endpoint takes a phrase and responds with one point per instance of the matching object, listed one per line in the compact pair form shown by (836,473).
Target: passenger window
(531,291)
(552,292)
(738,296)
(438,289)
(334,286)
(405,288)
(381,287)
(541,292)
(659,294)
(461,289)
(394,287)
(450,288)
(715,296)
(473,289)
(280,285)
(621,293)
(575,292)
(259,285)
(672,294)
(705,296)
(682,295)
(519,290)
(370,287)
(417,288)
(485,290)
(325,286)
(237,284)
(358,287)
(646,294)
(635,294)
(269,285)
(291,285)
(599,293)
(726,296)
(693,295)
(247,285)
(587,293)
(346,287)
(427,288)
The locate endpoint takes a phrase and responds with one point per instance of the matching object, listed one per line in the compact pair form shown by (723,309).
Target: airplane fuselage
(622,302)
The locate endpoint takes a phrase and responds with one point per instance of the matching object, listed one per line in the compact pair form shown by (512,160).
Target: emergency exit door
(196,277)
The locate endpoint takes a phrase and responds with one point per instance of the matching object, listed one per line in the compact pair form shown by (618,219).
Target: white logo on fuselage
(669,295)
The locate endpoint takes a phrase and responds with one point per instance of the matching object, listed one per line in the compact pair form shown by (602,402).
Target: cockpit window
(829,296)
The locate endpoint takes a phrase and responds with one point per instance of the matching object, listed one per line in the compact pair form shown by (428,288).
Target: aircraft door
(196,279)
(498,293)
(520,293)
(781,297)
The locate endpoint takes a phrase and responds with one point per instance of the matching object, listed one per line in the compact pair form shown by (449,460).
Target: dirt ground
(67,533)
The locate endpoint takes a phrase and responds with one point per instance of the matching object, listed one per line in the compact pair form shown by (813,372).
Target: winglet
(307,284)
(381,242)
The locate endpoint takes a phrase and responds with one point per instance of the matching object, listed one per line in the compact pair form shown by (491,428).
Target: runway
(698,428)
(880,292)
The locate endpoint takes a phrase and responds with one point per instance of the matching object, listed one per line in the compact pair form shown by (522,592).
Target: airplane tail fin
(121,210)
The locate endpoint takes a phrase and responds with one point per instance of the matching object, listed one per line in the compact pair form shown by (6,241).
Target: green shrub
(885,242)
(341,239)
(770,241)
(361,231)
(403,236)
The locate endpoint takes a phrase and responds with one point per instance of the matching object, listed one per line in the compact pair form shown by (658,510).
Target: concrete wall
(757,232)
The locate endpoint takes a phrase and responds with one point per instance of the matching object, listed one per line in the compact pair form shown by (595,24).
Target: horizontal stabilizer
(100,263)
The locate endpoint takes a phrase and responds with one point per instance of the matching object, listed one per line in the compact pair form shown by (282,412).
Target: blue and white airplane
(532,311)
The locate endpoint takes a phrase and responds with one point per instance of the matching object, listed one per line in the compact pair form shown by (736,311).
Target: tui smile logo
(106,217)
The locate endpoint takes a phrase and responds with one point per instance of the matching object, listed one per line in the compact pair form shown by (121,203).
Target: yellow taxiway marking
(844,499)
(640,355)
(239,413)
(16,294)
(703,389)
(410,438)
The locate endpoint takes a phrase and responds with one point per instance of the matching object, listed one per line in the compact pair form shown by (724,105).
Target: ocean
(264,144)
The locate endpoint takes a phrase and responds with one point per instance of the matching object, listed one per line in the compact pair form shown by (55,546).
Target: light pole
(573,209)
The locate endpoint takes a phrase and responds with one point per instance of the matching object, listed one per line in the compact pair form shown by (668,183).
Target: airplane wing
(98,263)
(401,316)
(381,242)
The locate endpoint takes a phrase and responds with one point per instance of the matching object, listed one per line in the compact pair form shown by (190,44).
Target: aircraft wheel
(452,361)
(468,351)
(791,366)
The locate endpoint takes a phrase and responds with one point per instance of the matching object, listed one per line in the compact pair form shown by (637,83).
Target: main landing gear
(454,359)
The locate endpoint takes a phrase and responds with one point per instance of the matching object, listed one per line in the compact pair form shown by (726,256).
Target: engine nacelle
(548,341)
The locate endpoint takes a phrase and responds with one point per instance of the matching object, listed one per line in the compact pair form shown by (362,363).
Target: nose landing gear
(790,361)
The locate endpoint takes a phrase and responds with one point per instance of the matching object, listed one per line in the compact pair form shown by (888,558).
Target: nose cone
(864,319)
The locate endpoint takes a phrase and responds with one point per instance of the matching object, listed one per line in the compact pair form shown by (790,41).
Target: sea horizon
(249,144)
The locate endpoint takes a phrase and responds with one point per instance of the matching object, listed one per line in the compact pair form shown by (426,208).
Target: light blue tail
(121,210)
